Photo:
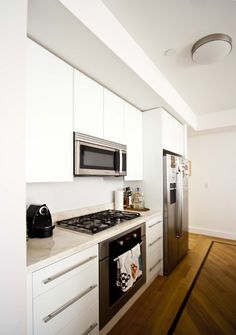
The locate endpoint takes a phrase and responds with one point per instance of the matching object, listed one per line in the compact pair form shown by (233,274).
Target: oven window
(95,158)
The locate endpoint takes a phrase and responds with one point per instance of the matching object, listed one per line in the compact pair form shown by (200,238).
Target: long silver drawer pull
(94,325)
(70,302)
(154,224)
(155,241)
(59,274)
(153,267)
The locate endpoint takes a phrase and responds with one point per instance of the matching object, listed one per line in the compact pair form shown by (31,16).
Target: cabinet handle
(152,267)
(59,274)
(94,325)
(155,241)
(67,304)
(154,224)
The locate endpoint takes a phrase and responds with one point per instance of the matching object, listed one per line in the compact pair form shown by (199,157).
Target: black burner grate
(96,222)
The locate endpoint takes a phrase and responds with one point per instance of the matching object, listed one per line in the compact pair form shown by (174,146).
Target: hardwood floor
(155,311)
(211,307)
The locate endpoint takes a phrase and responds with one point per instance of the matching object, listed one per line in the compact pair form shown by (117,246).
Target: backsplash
(83,192)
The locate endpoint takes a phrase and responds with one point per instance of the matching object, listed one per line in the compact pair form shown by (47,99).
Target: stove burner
(96,222)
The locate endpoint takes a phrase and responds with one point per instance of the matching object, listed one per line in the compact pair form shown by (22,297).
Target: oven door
(112,298)
(96,160)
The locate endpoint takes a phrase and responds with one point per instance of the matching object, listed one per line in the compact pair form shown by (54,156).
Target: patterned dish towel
(136,266)
(129,268)
(124,278)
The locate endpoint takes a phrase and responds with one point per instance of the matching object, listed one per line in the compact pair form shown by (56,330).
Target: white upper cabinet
(113,117)
(49,117)
(173,134)
(88,105)
(134,142)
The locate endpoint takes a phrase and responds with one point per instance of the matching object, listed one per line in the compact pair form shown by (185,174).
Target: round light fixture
(211,48)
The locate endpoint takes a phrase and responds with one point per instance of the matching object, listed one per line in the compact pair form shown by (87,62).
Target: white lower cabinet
(154,247)
(65,296)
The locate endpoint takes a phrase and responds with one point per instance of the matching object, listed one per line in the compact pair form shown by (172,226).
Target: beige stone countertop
(45,251)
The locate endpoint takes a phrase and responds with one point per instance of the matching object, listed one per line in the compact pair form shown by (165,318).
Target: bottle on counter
(138,199)
(127,197)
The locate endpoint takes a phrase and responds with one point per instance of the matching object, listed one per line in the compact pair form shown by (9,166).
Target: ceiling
(159,25)
(155,26)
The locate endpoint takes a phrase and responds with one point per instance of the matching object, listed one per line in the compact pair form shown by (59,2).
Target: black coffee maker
(39,221)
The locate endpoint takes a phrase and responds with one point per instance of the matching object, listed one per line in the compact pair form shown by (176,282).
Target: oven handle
(116,259)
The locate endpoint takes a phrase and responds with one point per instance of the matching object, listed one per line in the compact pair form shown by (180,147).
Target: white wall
(12,167)
(212,186)
(83,192)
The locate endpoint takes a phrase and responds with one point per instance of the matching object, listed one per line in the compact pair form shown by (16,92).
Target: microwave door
(118,161)
(95,160)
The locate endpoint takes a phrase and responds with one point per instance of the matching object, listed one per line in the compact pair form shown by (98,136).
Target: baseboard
(216,233)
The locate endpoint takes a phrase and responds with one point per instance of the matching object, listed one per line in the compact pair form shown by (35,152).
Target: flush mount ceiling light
(211,48)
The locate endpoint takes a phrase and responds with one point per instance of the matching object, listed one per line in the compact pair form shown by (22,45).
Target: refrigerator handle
(179,202)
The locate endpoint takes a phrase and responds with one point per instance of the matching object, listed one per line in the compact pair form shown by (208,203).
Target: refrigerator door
(183,225)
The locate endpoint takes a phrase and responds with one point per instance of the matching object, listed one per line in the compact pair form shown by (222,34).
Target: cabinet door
(134,142)
(65,295)
(49,117)
(173,134)
(88,105)
(113,117)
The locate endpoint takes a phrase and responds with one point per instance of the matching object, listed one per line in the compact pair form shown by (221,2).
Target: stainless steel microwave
(94,156)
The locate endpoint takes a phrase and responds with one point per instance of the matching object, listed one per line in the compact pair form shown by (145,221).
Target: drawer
(49,277)
(154,244)
(75,298)
(155,269)
(154,229)
(74,328)
(154,253)
(154,259)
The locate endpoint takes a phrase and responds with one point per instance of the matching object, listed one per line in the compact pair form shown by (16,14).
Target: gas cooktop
(96,222)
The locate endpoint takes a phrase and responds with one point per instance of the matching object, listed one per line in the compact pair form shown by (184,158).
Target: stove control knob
(135,235)
(121,243)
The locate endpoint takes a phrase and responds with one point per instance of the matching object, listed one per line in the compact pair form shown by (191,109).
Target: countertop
(64,243)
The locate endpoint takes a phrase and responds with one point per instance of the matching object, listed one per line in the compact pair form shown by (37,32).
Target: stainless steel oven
(111,297)
(94,156)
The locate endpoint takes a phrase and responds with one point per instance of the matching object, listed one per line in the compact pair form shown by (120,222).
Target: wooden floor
(211,306)
(155,311)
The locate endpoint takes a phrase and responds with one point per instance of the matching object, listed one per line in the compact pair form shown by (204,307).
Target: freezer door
(170,242)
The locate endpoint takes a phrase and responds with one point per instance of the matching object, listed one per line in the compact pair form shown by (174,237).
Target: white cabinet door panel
(113,117)
(63,269)
(134,142)
(88,105)
(49,117)
(85,310)
(65,295)
(173,134)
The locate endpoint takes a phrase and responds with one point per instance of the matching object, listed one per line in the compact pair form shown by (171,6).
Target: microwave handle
(117,160)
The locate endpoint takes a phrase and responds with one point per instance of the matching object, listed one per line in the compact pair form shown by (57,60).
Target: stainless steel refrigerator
(175,211)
